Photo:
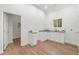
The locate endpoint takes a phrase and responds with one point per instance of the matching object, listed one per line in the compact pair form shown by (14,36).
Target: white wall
(70,20)
(31,19)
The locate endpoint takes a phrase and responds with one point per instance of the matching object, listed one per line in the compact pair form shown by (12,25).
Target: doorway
(11,29)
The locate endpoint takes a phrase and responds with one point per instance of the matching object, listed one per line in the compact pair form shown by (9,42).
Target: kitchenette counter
(52,31)
(57,36)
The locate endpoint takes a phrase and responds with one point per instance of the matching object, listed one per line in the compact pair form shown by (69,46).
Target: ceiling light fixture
(45,7)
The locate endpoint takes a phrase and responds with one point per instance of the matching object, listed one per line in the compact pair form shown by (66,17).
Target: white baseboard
(72,43)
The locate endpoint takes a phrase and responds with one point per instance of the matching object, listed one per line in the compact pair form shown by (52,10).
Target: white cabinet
(33,38)
(62,37)
(57,36)
(53,36)
(42,36)
(72,38)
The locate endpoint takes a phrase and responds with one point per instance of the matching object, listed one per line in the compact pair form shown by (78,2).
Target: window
(57,23)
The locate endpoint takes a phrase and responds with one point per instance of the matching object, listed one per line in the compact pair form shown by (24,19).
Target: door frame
(3,26)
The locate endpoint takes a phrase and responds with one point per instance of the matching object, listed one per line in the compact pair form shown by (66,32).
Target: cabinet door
(30,37)
(40,36)
(51,35)
(76,38)
(43,36)
(57,37)
(35,38)
(73,38)
(61,37)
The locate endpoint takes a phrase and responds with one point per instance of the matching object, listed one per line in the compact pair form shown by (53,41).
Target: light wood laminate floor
(42,48)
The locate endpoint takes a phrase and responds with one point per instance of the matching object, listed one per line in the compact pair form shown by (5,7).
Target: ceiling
(47,8)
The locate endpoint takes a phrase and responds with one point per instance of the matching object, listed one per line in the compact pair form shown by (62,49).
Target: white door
(5,27)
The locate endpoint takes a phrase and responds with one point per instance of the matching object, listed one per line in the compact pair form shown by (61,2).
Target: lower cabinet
(42,36)
(53,36)
(33,38)
(58,37)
